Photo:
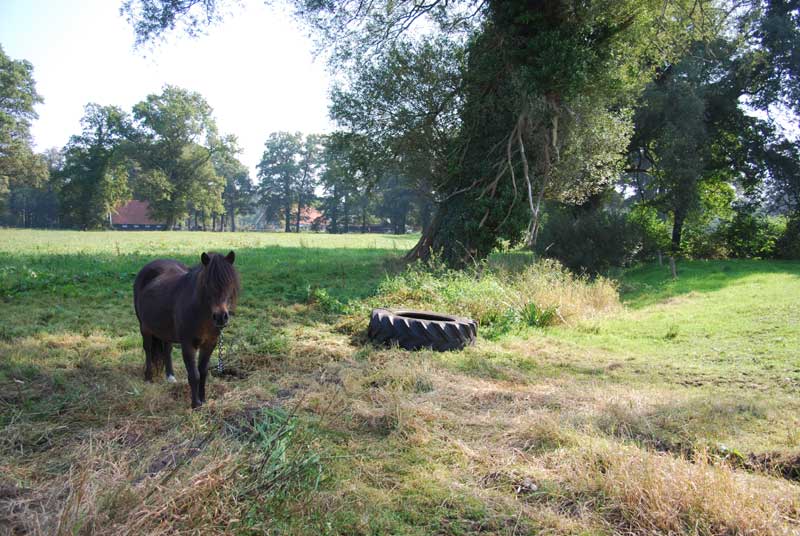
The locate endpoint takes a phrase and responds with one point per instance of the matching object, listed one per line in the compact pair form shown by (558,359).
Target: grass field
(674,412)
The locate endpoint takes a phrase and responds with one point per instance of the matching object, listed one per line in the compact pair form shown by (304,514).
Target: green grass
(634,419)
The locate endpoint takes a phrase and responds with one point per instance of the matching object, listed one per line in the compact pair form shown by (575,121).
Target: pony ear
(230,257)
(205,259)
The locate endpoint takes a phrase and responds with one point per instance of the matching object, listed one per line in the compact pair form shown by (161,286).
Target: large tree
(695,136)
(309,168)
(20,166)
(174,141)
(94,175)
(237,197)
(279,173)
(540,101)
(771,30)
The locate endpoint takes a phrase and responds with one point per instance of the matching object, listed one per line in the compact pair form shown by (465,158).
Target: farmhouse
(135,215)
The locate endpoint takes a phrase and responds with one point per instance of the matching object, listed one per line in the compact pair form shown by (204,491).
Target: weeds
(501,298)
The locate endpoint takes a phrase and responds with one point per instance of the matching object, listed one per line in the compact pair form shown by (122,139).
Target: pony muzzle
(221,318)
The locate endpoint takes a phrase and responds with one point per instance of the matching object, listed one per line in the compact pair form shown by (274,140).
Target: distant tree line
(167,151)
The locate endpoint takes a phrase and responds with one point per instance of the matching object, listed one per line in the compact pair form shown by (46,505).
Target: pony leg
(189,353)
(205,357)
(147,342)
(168,363)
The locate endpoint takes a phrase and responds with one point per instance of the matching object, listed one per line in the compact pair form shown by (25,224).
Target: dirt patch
(780,464)
(174,455)
(777,463)
(230,373)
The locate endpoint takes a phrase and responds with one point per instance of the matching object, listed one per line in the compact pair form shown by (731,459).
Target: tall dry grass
(501,295)
(642,492)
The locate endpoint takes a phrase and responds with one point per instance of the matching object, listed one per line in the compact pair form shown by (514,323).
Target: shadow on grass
(649,284)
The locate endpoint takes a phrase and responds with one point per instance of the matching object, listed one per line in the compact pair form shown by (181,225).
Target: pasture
(671,408)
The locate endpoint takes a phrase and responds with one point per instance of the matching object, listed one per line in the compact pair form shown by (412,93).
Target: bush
(591,241)
(751,235)
(705,242)
(788,244)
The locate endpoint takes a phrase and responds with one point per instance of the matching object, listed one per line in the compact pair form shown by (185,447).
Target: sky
(256,68)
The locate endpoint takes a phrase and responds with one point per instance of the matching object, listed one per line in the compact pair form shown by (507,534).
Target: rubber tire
(397,327)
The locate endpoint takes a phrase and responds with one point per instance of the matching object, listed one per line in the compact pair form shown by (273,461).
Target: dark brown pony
(189,306)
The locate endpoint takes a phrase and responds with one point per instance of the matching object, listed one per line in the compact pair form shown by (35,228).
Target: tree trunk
(424,247)
(299,212)
(214,222)
(287,217)
(677,231)
(232,219)
(425,215)
(333,225)
(364,219)
(346,213)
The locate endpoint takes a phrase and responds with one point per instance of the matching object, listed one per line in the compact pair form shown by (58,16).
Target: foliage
(237,196)
(788,245)
(152,19)
(593,240)
(772,28)
(94,175)
(654,229)
(175,138)
(19,165)
(753,235)
(279,173)
(697,138)
(782,186)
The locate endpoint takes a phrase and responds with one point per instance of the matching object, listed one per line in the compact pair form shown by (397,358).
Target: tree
(349,163)
(279,172)
(19,165)
(237,197)
(309,166)
(771,29)
(692,129)
(540,102)
(174,141)
(783,182)
(94,175)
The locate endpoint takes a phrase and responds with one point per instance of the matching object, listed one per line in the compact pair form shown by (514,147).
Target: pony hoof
(171,379)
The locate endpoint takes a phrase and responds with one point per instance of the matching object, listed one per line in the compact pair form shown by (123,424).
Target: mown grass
(672,412)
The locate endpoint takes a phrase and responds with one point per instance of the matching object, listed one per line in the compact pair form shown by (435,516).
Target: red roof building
(135,215)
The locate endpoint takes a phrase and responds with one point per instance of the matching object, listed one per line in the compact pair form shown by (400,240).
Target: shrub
(705,242)
(750,235)
(788,244)
(591,241)
(654,231)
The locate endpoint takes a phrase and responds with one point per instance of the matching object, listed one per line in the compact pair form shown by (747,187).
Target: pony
(176,304)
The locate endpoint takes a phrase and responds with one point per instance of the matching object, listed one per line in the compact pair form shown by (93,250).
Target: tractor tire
(413,330)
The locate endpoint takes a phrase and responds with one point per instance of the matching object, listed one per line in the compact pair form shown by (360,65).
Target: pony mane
(218,278)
